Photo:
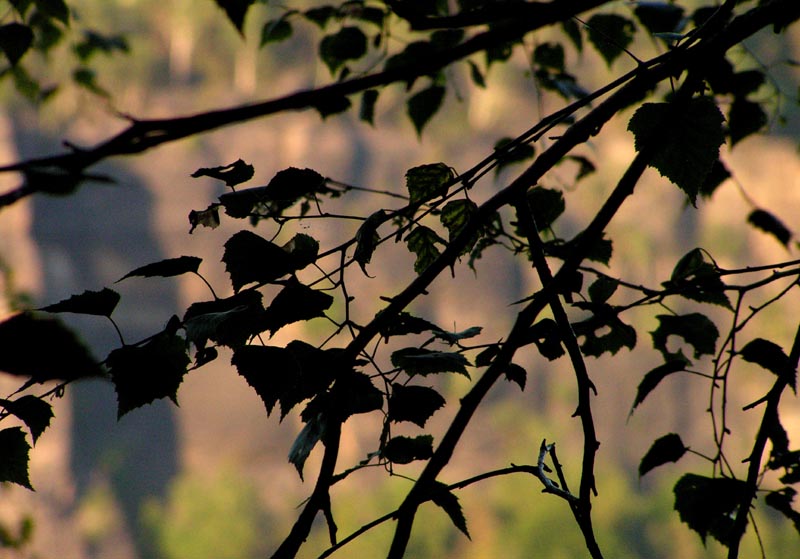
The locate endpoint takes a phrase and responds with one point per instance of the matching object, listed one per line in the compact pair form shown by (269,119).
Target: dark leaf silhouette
(98,303)
(762,219)
(699,280)
(15,40)
(207,218)
(604,332)
(367,239)
(229,322)
(23,338)
(349,43)
(448,502)
(659,17)
(428,181)
(406,323)
(250,258)
(696,329)
(517,374)
(332,105)
(655,376)
(744,119)
(546,205)
(453,338)
(669,448)
(231,174)
(547,338)
(422,241)
(424,104)
(602,289)
(781,500)
(508,154)
(34,412)
(275,31)
(420,361)
(455,216)
(294,303)
(367,110)
(549,55)
(708,505)
(404,450)
(353,393)
(771,357)
(302,250)
(610,34)
(313,432)
(14,449)
(413,403)
(282,192)
(142,374)
(236,10)
(167,268)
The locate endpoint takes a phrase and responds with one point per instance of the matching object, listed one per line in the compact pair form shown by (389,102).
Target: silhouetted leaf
(98,303)
(507,155)
(709,505)
(604,332)
(229,322)
(549,55)
(655,376)
(699,280)
(455,337)
(43,349)
(231,174)
(236,10)
(283,191)
(419,361)
(610,34)
(320,15)
(422,241)
(669,448)
(602,289)
(476,75)
(762,219)
(15,40)
(413,403)
(367,111)
(428,181)
(687,139)
(404,450)
(444,498)
(313,432)
(34,412)
(770,356)
(207,218)
(517,374)
(294,303)
(332,105)
(302,250)
(546,205)
(354,393)
(547,338)
(367,239)
(659,17)
(249,258)
(744,119)
(167,268)
(424,104)
(142,374)
(781,500)
(56,9)
(696,329)
(349,43)
(14,449)
(94,42)
(716,176)
(408,60)
(275,31)
(405,323)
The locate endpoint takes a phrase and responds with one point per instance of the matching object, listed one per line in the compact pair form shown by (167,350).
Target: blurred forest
(210,478)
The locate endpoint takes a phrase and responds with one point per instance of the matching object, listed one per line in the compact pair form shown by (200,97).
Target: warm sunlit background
(210,479)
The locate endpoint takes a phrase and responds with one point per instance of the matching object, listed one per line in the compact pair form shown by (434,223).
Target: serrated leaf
(770,356)
(302,250)
(422,241)
(687,139)
(236,11)
(349,43)
(231,174)
(14,449)
(764,220)
(313,432)
(367,239)
(654,377)
(97,303)
(602,289)
(423,105)
(419,361)
(696,329)
(669,448)
(367,110)
(167,268)
(15,40)
(455,337)
(716,176)
(517,374)
(43,349)
(413,403)
(229,322)
(142,374)
(354,393)
(275,31)
(404,450)
(610,34)
(428,181)
(444,499)
(34,412)
(294,303)
(250,258)
(709,505)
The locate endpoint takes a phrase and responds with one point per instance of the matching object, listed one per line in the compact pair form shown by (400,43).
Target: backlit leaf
(610,34)
(34,412)
(764,220)
(313,432)
(230,322)
(419,361)
(695,329)
(448,502)
(427,181)
(236,10)
(404,450)
(709,505)
(655,376)
(283,191)
(231,174)
(14,449)
(413,403)
(770,356)
(367,239)
(250,258)
(294,303)
(15,40)
(349,43)
(166,268)
(422,241)
(669,448)
(98,303)
(423,105)
(744,119)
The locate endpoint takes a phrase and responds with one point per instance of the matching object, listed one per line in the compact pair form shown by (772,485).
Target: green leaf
(428,181)
(744,119)
(231,174)
(229,322)
(655,376)
(87,79)
(349,43)
(142,374)
(167,268)
(669,448)
(367,111)
(419,361)
(354,393)
(422,242)
(444,499)
(14,449)
(33,411)
(295,302)
(43,349)
(413,403)
(764,220)
(97,303)
(781,500)
(550,56)
(250,258)
(367,239)
(455,216)
(770,356)
(15,40)
(696,329)
(404,450)
(313,432)
(424,104)
(709,505)
(686,140)
(236,11)
(602,289)
(275,31)
(610,34)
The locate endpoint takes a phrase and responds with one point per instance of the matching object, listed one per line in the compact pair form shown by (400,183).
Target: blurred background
(210,478)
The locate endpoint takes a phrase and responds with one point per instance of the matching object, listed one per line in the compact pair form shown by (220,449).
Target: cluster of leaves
(274,284)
